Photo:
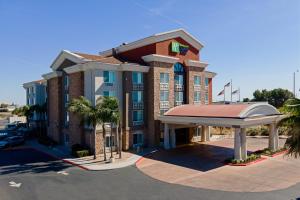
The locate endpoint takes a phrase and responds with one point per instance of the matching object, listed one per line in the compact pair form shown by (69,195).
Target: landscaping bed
(268,152)
(252,158)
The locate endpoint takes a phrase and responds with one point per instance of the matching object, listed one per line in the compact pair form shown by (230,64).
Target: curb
(75,164)
(142,157)
(276,154)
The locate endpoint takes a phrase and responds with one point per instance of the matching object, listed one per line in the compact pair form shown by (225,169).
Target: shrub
(82,153)
(47,141)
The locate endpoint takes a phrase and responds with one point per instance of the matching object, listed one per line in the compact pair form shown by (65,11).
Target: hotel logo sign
(176,47)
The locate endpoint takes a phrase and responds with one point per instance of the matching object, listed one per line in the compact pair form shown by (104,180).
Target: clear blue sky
(256,43)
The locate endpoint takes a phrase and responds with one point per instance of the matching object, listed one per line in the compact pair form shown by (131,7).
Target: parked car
(12,141)
(3,135)
(24,131)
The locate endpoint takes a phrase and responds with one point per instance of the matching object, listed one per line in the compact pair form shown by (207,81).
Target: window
(206,82)
(109,93)
(110,141)
(137,96)
(197,132)
(109,77)
(197,96)
(164,95)
(66,100)
(206,98)
(178,96)
(178,79)
(178,68)
(197,80)
(138,115)
(164,78)
(66,82)
(67,118)
(138,139)
(137,77)
(162,111)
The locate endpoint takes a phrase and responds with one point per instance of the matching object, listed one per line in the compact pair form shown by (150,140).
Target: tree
(275,97)
(246,99)
(26,111)
(292,109)
(91,115)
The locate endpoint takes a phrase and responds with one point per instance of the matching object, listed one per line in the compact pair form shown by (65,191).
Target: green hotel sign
(176,47)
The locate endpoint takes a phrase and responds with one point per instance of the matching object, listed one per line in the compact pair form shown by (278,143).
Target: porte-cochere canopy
(231,115)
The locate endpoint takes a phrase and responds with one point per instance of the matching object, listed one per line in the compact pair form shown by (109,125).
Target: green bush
(258,131)
(82,153)
(46,141)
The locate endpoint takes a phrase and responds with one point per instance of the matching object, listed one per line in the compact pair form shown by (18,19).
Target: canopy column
(205,133)
(243,144)
(273,137)
(237,144)
(166,137)
(173,138)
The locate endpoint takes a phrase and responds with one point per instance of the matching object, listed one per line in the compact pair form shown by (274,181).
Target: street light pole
(294,84)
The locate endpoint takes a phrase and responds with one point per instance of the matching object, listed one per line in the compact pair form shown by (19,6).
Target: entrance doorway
(182,136)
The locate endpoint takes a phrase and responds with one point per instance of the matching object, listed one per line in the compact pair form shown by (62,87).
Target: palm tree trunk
(95,141)
(104,141)
(117,131)
(120,140)
(111,141)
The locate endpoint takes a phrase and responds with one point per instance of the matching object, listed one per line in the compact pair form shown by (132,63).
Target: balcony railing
(179,87)
(164,105)
(164,86)
(138,105)
(197,87)
(178,103)
(138,86)
(137,123)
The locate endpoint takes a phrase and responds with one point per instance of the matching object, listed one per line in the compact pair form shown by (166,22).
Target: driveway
(43,180)
(202,166)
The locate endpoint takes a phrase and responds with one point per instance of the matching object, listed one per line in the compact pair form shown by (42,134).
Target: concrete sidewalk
(88,163)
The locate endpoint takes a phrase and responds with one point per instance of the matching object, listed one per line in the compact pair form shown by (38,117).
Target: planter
(247,163)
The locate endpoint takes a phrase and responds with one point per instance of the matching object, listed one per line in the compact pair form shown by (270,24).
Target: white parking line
(63,173)
(14,184)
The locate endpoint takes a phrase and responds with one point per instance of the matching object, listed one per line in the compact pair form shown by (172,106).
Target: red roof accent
(190,110)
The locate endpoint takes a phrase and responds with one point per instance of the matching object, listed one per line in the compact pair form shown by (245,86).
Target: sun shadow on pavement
(201,157)
(28,160)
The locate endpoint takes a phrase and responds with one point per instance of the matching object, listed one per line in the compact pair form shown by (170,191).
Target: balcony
(164,105)
(164,86)
(138,86)
(178,103)
(197,87)
(138,105)
(179,87)
(137,123)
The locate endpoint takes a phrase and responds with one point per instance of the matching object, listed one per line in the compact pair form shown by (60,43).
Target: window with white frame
(178,79)
(206,98)
(109,77)
(137,116)
(197,132)
(137,96)
(206,82)
(197,80)
(164,95)
(197,96)
(66,99)
(110,141)
(179,97)
(138,138)
(164,78)
(109,93)
(137,77)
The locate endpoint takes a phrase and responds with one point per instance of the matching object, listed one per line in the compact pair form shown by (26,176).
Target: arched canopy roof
(232,115)
(224,111)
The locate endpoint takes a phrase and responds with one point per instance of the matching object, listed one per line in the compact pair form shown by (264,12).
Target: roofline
(65,54)
(154,39)
(51,75)
(38,82)
(106,66)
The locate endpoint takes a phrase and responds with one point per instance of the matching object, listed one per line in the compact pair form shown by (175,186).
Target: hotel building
(148,77)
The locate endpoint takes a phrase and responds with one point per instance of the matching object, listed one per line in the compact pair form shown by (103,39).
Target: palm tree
(91,115)
(110,109)
(292,109)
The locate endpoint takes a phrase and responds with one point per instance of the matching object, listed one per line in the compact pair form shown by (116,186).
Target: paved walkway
(88,163)
(202,166)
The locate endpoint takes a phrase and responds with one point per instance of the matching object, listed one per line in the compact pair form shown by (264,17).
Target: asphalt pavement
(27,174)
